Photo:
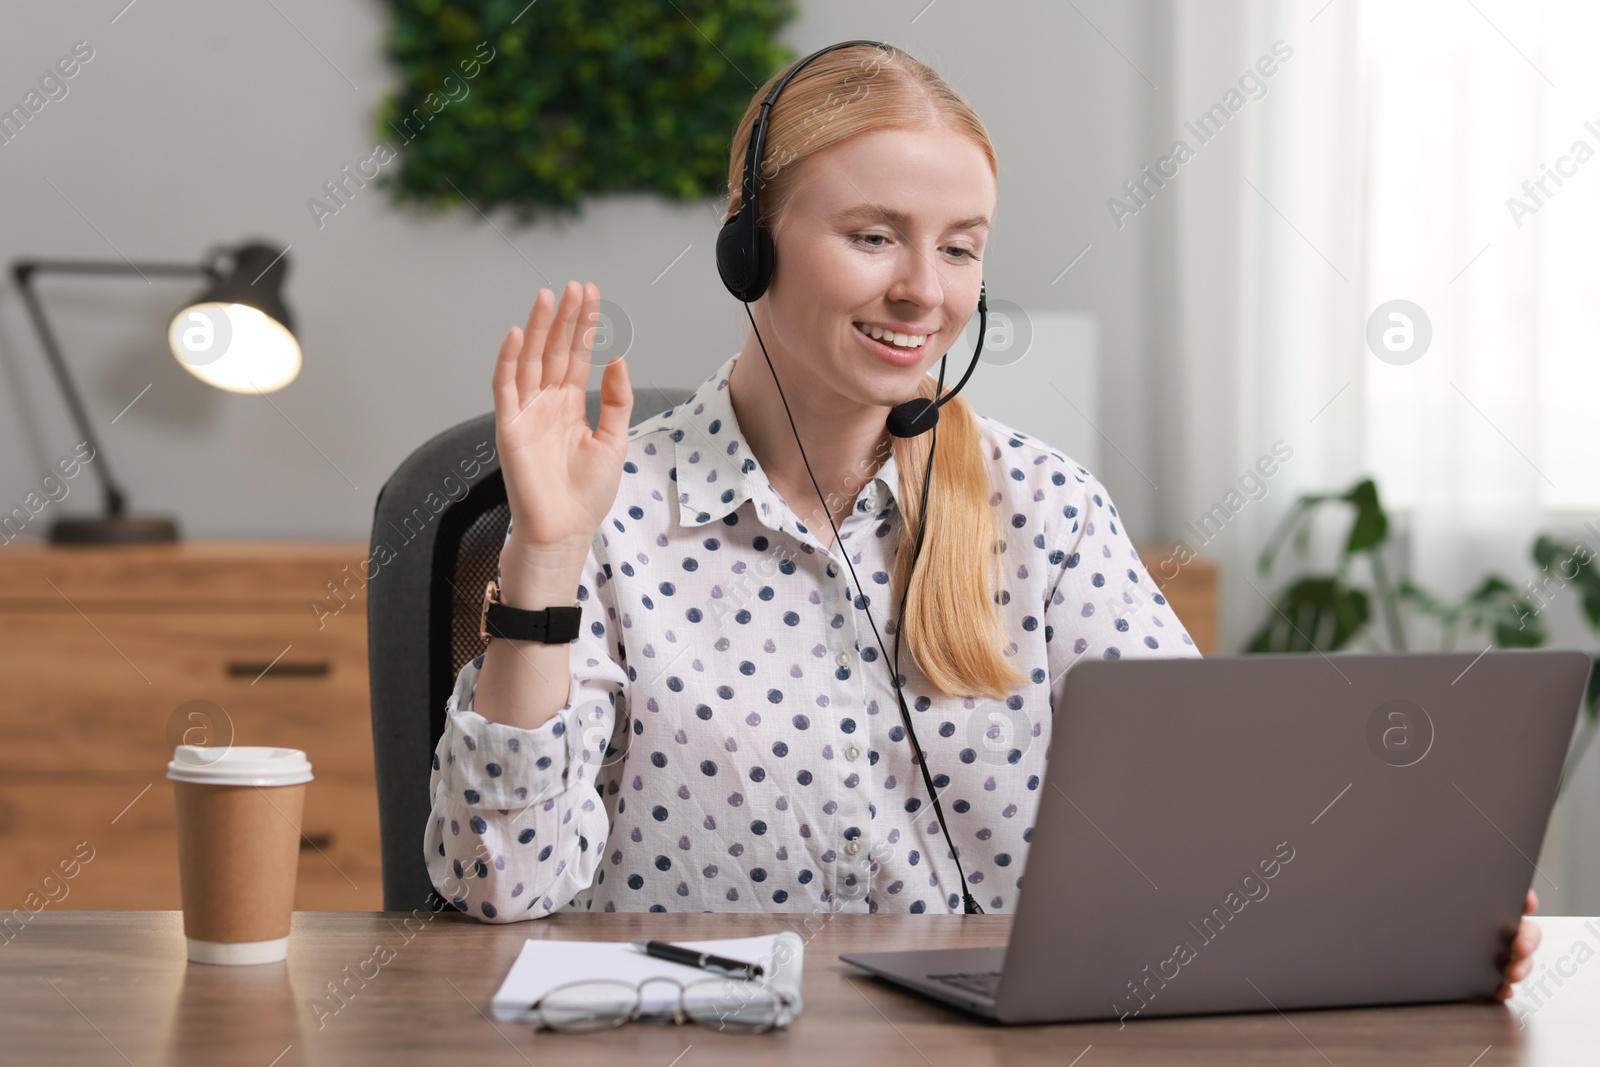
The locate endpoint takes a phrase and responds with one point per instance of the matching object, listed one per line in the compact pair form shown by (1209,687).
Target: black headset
(745,260)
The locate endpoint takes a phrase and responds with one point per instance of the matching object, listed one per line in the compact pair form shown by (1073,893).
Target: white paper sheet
(542,965)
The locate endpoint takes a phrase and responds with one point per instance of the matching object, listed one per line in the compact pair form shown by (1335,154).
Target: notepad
(542,965)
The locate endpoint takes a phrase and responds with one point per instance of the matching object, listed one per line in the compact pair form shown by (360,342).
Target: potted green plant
(1328,612)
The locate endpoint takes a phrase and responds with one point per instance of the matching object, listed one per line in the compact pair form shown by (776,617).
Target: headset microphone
(745,261)
(920,415)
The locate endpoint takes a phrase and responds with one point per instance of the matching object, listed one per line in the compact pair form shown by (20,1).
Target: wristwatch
(552,626)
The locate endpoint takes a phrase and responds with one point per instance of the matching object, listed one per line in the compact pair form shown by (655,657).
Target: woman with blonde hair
(725,731)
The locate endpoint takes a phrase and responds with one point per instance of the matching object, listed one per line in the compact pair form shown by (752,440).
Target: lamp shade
(238,334)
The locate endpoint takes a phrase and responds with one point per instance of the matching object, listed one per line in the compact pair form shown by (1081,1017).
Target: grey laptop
(1254,833)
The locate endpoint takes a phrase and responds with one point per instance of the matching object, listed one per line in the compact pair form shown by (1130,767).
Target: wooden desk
(102,987)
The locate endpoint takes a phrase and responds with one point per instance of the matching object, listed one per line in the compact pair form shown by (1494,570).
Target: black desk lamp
(236,335)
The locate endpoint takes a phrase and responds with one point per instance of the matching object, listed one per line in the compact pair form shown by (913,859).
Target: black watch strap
(552,626)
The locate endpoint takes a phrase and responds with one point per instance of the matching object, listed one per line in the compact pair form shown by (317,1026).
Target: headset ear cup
(766,260)
(733,255)
(744,259)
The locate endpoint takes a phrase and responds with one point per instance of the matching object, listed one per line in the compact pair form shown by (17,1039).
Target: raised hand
(561,478)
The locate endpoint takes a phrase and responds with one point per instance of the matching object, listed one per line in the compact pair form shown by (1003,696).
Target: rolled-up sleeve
(517,825)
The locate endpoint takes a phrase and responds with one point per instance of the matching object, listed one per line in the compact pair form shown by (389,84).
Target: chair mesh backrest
(472,567)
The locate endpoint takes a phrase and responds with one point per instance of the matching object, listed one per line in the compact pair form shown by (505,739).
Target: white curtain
(1377,166)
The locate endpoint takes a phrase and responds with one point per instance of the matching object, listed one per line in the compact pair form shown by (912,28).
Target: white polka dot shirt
(732,740)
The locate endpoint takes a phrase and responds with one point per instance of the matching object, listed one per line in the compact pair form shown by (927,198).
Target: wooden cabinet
(110,656)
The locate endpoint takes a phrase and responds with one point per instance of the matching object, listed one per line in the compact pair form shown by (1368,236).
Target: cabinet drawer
(131,834)
(134,860)
(102,691)
(341,864)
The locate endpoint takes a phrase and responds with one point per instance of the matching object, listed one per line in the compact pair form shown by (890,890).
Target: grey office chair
(437,529)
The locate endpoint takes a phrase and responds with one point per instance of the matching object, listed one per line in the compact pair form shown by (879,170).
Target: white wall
(199,123)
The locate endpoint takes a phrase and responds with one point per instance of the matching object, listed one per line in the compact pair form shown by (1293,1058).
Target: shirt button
(852,846)
(843,659)
(852,753)
(831,571)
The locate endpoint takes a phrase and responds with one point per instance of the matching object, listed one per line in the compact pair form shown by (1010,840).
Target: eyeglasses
(717,1003)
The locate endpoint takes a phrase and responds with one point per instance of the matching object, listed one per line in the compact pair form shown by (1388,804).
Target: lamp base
(113,530)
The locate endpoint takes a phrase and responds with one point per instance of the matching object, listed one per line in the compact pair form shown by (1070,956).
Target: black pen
(706,961)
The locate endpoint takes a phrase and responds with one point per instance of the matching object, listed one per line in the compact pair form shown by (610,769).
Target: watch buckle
(491,595)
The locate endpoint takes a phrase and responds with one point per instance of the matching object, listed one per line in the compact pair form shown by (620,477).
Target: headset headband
(744,247)
(758,132)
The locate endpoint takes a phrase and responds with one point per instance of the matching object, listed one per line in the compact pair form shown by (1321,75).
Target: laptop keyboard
(985,982)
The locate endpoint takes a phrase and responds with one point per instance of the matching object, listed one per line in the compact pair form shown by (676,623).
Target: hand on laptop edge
(1522,946)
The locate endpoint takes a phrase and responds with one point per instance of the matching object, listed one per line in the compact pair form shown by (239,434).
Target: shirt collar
(717,472)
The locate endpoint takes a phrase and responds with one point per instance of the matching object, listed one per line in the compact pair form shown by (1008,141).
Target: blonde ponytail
(952,614)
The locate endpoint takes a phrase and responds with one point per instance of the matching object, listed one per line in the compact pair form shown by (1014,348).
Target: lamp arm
(23,271)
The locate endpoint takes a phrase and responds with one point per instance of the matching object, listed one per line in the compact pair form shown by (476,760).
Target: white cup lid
(239,765)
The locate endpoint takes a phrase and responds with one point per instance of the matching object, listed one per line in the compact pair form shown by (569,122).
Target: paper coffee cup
(239,814)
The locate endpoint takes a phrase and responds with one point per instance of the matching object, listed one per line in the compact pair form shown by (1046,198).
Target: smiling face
(882,232)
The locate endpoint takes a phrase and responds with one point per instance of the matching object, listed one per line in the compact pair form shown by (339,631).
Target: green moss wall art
(533,106)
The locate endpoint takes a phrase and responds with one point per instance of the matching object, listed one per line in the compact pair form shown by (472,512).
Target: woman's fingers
(530,358)
(558,345)
(555,344)
(505,376)
(554,348)
(584,333)
(1528,936)
(1531,904)
(1520,963)
(616,404)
